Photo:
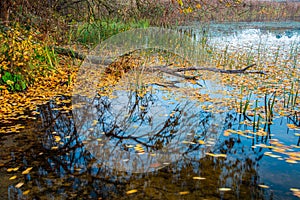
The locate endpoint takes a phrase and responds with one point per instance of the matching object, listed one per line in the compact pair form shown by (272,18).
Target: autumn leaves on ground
(31,74)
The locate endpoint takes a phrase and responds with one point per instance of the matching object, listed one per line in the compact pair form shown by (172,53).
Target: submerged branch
(196,68)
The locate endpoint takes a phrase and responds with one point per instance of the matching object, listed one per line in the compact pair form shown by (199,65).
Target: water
(64,167)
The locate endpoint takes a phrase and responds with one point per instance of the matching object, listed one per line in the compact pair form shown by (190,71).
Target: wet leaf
(292,126)
(57,138)
(184,192)
(295,189)
(27,171)
(12,169)
(26,192)
(201,142)
(19,185)
(131,191)
(291,161)
(224,189)
(13,177)
(198,178)
(263,186)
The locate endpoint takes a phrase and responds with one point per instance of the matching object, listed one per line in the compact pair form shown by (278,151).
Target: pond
(165,142)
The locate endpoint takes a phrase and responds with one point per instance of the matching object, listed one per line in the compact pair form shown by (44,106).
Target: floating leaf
(263,186)
(19,185)
(224,189)
(295,189)
(131,191)
(198,178)
(57,138)
(292,126)
(184,192)
(13,177)
(94,122)
(291,161)
(27,171)
(12,169)
(26,192)
(201,142)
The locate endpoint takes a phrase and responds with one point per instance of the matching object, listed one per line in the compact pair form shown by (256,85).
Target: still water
(51,158)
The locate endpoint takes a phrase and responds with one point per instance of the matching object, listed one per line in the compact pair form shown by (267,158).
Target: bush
(21,58)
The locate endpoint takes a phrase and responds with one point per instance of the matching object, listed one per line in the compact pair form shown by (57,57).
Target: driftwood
(175,71)
(164,69)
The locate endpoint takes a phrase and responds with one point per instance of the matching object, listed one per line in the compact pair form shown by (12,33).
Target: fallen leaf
(131,191)
(27,171)
(224,189)
(19,185)
(184,192)
(26,192)
(263,186)
(13,177)
(198,178)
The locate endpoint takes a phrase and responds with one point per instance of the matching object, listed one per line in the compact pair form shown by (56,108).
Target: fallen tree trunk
(165,69)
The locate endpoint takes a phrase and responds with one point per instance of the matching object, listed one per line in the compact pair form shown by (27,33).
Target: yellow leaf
(184,192)
(192,81)
(224,189)
(131,191)
(291,161)
(9,170)
(263,186)
(292,126)
(26,192)
(94,122)
(295,189)
(180,2)
(198,6)
(198,178)
(57,138)
(226,133)
(19,185)
(201,142)
(12,169)
(13,177)
(27,171)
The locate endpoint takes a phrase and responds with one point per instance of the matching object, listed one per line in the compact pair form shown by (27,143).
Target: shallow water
(65,167)
(267,37)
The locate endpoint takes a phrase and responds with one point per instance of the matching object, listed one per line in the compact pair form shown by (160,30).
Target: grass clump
(97,31)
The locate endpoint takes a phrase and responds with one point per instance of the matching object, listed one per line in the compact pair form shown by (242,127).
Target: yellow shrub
(21,58)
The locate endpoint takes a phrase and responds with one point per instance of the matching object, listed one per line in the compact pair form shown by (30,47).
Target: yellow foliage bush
(22,58)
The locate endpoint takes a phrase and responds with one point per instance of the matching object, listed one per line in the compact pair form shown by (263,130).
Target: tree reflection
(65,169)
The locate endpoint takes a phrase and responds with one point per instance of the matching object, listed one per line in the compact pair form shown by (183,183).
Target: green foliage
(14,81)
(97,31)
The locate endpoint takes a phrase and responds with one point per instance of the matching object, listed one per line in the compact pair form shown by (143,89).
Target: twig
(171,72)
